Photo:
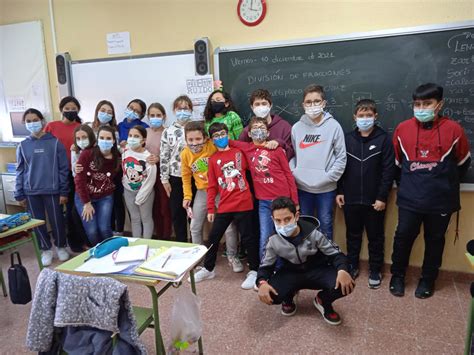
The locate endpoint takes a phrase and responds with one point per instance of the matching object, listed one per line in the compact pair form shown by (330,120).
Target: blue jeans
(324,205)
(266,224)
(99,227)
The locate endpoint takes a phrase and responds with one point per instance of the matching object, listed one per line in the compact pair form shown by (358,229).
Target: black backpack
(18,282)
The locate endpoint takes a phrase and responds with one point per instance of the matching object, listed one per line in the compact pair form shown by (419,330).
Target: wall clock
(251,12)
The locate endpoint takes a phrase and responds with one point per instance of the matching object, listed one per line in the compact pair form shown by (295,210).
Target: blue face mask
(131,115)
(222,142)
(34,127)
(104,117)
(105,145)
(424,115)
(183,115)
(156,122)
(83,143)
(134,142)
(366,123)
(286,230)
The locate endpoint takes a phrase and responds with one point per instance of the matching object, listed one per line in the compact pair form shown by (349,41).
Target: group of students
(268,177)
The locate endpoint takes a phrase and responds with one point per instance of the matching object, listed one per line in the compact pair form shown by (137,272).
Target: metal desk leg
(2,281)
(193,288)
(160,348)
(470,320)
(37,250)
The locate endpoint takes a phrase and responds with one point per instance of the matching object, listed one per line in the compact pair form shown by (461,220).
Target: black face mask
(217,107)
(71,115)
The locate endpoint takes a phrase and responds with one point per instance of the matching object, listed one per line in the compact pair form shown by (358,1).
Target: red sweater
(226,176)
(270,171)
(64,133)
(92,183)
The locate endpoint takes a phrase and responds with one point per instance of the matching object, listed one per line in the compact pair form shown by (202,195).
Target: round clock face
(251,12)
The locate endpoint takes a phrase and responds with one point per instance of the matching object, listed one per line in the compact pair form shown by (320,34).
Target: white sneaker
(203,274)
(63,255)
(249,282)
(46,257)
(235,263)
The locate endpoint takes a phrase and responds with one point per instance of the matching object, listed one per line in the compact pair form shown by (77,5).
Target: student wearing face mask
(172,143)
(134,114)
(42,183)
(104,116)
(64,131)
(219,108)
(320,158)
(364,188)
(310,261)
(194,165)
(138,182)
(271,174)
(161,204)
(433,153)
(95,185)
(278,129)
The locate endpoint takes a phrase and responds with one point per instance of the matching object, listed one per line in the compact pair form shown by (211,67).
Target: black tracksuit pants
(248,237)
(408,228)
(358,218)
(322,277)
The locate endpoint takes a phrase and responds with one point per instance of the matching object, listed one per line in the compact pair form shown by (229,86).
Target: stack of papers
(169,264)
(131,254)
(172,263)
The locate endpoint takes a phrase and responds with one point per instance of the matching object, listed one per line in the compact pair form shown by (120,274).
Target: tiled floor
(235,322)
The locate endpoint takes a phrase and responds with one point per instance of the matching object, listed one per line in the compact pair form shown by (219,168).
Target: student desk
(30,237)
(145,316)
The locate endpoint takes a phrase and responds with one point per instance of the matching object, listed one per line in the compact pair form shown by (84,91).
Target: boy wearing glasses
(226,176)
(320,158)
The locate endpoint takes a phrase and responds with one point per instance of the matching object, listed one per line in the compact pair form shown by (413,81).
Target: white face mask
(262,111)
(313,111)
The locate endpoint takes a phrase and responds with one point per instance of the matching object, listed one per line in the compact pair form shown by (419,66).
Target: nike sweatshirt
(320,154)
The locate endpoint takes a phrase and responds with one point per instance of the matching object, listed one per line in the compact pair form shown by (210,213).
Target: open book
(172,263)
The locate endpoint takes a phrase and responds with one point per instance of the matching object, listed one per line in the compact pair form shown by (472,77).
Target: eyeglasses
(217,135)
(310,103)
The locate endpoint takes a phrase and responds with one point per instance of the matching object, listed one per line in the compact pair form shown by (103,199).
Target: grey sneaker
(46,257)
(375,279)
(249,282)
(235,263)
(63,255)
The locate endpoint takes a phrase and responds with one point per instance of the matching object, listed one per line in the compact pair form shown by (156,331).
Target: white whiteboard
(24,81)
(155,78)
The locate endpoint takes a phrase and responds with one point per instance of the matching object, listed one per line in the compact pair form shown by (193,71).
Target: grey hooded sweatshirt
(301,254)
(320,151)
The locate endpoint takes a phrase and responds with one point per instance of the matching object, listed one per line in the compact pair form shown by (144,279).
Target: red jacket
(226,176)
(430,156)
(92,183)
(270,171)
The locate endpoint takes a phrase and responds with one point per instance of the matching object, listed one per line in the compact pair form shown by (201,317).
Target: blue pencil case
(15,220)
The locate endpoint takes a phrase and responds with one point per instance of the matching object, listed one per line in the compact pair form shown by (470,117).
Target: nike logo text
(310,140)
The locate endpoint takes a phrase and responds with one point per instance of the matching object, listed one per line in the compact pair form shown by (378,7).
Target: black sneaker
(354,271)
(288,308)
(397,286)
(328,313)
(375,279)
(425,288)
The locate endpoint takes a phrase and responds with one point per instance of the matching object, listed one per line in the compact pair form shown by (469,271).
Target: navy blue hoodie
(43,167)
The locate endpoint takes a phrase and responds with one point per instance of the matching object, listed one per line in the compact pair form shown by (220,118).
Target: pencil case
(107,246)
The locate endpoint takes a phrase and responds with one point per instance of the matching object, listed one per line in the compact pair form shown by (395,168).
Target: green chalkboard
(385,67)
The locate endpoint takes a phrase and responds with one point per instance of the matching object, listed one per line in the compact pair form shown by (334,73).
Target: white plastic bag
(186,325)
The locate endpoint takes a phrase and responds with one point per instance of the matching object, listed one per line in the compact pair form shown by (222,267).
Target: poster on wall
(198,88)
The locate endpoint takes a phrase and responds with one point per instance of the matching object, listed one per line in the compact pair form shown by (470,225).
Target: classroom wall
(158,26)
